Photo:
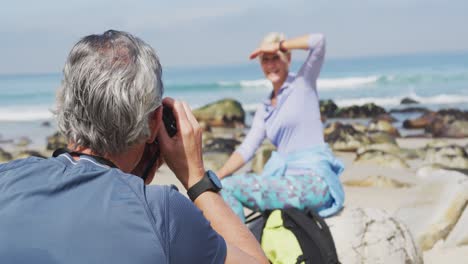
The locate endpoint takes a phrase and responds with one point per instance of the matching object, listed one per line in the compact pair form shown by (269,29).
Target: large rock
(420,122)
(346,138)
(451,156)
(216,151)
(380,137)
(381,158)
(407,100)
(5,156)
(384,126)
(369,110)
(451,129)
(261,157)
(226,145)
(372,236)
(28,153)
(215,160)
(227,113)
(435,207)
(459,234)
(328,108)
(56,141)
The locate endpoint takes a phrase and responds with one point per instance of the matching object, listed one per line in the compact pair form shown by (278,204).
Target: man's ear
(155,122)
(288,57)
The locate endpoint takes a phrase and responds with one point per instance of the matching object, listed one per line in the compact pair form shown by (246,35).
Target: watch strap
(204,185)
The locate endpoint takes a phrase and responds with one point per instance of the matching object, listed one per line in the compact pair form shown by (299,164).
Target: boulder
(28,153)
(56,141)
(459,234)
(379,137)
(386,117)
(384,147)
(225,145)
(346,138)
(376,181)
(367,235)
(226,112)
(215,160)
(383,126)
(381,158)
(456,255)
(369,110)
(407,100)
(23,142)
(435,207)
(409,110)
(420,122)
(328,108)
(451,129)
(261,157)
(5,156)
(451,156)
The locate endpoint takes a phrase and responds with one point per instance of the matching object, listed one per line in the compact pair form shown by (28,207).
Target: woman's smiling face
(275,66)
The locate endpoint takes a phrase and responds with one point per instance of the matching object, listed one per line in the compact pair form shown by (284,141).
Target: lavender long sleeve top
(294,123)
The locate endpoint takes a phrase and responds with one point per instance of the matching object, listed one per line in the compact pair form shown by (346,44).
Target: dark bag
(293,236)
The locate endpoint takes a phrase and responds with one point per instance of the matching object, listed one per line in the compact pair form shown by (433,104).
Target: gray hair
(111,85)
(275,37)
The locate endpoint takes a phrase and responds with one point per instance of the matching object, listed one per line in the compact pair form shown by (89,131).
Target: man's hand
(151,157)
(183,152)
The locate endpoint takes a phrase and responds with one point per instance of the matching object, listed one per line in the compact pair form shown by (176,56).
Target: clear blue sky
(37,35)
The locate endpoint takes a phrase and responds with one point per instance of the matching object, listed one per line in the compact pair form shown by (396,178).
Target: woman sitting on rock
(303,173)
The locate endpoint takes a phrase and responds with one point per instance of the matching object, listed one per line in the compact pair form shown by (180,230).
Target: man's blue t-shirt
(59,210)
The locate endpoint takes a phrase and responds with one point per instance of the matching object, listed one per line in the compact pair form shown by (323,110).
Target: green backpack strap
(312,232)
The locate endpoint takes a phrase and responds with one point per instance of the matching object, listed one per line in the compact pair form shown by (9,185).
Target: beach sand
(391,196)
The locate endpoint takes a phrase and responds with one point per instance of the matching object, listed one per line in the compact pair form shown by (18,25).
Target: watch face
(214,179)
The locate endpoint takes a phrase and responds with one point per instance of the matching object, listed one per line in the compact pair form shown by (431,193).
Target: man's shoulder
(19,163)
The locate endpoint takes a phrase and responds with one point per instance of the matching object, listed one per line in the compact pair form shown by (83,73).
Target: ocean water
(435,80)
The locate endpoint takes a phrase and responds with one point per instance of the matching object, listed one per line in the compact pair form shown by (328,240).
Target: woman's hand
(183,152)
(265,48)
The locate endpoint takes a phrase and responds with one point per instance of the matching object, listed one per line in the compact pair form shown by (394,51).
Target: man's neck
(125,161)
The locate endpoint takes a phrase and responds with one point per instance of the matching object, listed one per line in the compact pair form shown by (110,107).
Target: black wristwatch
(209,182)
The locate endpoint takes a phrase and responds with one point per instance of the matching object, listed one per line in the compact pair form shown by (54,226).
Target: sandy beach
(382,191)
(417,183)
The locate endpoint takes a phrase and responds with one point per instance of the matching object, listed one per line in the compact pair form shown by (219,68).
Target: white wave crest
(442,99)
(322,83)
(349,82)
(25,114)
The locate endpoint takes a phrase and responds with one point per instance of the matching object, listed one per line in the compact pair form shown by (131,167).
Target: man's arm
(183,155)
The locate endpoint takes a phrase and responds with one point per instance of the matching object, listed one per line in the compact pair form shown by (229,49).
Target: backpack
(293,236)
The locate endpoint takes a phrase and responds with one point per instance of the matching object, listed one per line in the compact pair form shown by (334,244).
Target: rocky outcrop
(435,207)
(459,234)
(346,138)
(261,157)
(372,236)
(365,111)
(328,108)
(381,158)
(56,141)
(451,128)
(28,153)
(384,126)
(420,122)
(450,156)
(227,113)
(407,100)
(5,156)
(444,123)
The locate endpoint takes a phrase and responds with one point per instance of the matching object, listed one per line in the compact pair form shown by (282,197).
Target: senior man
(89,204)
